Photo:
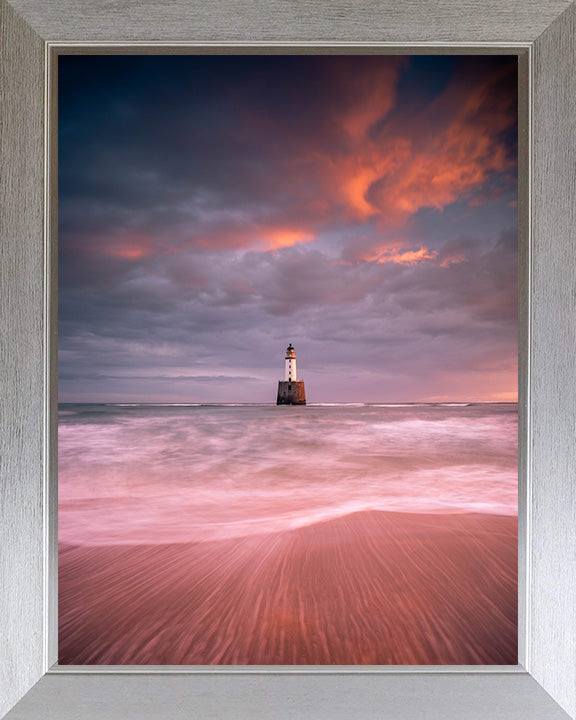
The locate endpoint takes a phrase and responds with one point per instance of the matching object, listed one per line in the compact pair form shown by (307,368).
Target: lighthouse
(291,390)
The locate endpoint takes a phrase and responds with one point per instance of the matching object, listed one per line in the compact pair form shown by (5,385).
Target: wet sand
(370,588)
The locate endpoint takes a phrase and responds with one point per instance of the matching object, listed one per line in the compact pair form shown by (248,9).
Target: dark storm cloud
(214,208)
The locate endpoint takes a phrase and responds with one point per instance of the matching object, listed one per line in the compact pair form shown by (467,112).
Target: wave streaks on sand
(370,588)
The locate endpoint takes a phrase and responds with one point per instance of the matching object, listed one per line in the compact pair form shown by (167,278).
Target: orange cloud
(281,238)
(382,254)
(258,238)
(395,253)
(363,169)
(129,253)
(130,246)
(355,189)
(405,168)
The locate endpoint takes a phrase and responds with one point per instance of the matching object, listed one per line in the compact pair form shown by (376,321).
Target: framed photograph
(522,58)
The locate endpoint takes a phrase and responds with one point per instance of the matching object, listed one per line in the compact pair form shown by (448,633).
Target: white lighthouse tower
(290,373)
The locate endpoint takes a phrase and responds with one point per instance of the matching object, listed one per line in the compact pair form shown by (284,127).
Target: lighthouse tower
(290,364)
(291,390)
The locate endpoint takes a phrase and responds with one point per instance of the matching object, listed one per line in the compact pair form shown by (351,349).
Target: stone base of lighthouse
(291,392)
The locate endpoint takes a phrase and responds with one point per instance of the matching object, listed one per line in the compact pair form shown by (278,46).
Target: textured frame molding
(546,688)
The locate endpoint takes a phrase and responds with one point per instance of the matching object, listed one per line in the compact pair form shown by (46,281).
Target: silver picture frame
(543,685)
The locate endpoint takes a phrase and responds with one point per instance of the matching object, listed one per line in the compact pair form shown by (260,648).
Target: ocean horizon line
(359,403)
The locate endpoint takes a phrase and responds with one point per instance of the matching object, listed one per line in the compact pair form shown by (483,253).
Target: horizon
(363,206)
(375,403)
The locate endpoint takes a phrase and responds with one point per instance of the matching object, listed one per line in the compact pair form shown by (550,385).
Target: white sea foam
(143,473)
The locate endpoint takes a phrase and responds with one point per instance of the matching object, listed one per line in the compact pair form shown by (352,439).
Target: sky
(214,209)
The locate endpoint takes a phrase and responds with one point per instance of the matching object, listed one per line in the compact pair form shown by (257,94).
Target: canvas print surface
(287,360)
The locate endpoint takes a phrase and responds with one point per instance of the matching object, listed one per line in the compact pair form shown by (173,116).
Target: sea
(172,473)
